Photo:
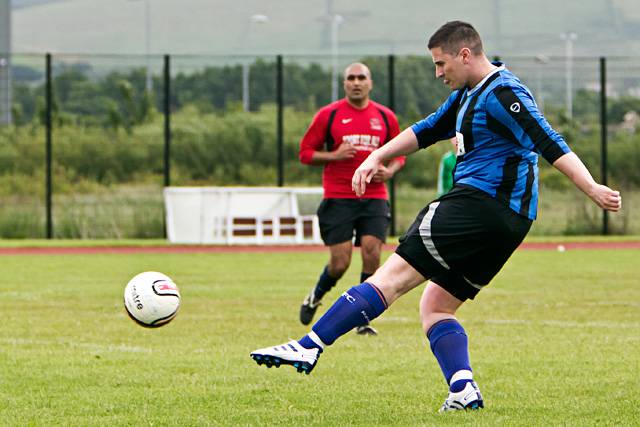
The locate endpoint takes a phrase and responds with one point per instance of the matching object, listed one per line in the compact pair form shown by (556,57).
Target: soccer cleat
(291,353)
(366,330)
(467,399)
(308,308)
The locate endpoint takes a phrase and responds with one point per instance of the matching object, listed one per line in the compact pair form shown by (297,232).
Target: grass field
(555,340)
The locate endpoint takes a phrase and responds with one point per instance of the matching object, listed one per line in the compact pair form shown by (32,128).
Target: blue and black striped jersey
(500,133)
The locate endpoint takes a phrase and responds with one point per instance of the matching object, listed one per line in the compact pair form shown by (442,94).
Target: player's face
(357,84)
(450,68)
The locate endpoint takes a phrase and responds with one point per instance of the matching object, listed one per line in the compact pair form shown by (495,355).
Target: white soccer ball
(151,299)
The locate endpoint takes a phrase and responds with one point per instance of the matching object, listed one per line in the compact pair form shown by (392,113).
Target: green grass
(555,340)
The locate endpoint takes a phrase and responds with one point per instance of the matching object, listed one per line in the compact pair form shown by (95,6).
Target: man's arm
(606,198)
(403,144)
(513,114)
(386,172)
(343,152)
(439,125)
(312,143)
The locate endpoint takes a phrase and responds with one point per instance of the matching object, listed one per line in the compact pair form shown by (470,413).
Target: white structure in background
(336,20)
(147,43)
(569,39)
(246,99)
(240,215)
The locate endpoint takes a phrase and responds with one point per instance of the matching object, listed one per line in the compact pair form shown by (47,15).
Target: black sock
(364,276)
(324,285)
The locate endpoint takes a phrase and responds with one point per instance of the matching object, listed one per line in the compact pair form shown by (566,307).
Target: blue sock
(364,276)
(325,283)
(357,306)
(449,345)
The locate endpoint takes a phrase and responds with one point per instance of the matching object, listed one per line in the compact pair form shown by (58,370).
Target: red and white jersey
(365,129)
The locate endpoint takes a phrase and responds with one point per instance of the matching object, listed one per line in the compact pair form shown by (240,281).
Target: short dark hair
(455,35)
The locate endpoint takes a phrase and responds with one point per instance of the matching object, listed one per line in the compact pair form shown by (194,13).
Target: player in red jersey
(341,137)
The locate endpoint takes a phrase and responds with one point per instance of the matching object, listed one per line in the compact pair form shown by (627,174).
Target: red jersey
(366,129)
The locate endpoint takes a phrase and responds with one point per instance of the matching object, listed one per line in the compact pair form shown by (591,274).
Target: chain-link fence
(116,139)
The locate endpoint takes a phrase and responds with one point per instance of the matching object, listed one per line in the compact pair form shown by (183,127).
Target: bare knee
(337,267)
(370,248)
(436,304)
(340,259)
(395,278)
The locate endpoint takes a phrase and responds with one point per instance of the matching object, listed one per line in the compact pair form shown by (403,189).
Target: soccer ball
(151,299)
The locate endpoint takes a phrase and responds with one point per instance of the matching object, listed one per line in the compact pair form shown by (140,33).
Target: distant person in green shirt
(445,170)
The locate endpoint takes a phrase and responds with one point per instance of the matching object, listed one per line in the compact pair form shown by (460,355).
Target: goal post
(242,215)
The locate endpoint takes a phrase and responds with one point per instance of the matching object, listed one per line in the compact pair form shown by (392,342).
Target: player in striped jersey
(462,239)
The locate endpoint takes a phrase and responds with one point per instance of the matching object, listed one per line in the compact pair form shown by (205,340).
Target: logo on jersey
(362,142)
(346,121)
(515,107)
(375,124)
(460,144)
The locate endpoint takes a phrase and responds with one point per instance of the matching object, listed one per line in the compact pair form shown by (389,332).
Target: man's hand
(383,174)
(365,173)
(605,197)
(344,151)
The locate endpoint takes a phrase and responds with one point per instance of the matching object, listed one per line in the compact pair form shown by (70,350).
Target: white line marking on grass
(566,324)
(89,346)
(397,319)
(614,304)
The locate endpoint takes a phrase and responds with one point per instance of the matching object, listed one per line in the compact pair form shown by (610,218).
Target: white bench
(240,215)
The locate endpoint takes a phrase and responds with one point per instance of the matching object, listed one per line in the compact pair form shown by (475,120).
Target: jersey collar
(500,66)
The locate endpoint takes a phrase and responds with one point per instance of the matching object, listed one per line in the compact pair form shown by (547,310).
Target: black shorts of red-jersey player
(341,219)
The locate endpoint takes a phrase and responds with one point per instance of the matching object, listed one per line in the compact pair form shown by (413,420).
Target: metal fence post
(167,121)
(48,149)
(280,119)
(392,105)
(603,137)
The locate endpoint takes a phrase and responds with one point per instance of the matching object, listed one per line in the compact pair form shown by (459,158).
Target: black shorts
(341,218)
(461,240)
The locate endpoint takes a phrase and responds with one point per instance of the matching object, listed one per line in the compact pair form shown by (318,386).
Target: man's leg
(370,249)
(388,283)
(340,258)
(449,345)
(355,307)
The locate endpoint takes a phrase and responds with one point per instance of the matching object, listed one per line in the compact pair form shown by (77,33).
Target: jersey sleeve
(513,114)
(439,125)
(394,130)
(313,138)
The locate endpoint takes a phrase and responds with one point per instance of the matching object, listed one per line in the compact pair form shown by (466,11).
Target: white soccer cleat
(291,353)
(468,398)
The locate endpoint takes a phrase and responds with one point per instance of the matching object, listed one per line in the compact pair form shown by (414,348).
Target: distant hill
(303,27)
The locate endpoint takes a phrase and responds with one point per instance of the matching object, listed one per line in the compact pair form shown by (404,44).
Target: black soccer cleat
(308,308)
(366,330)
